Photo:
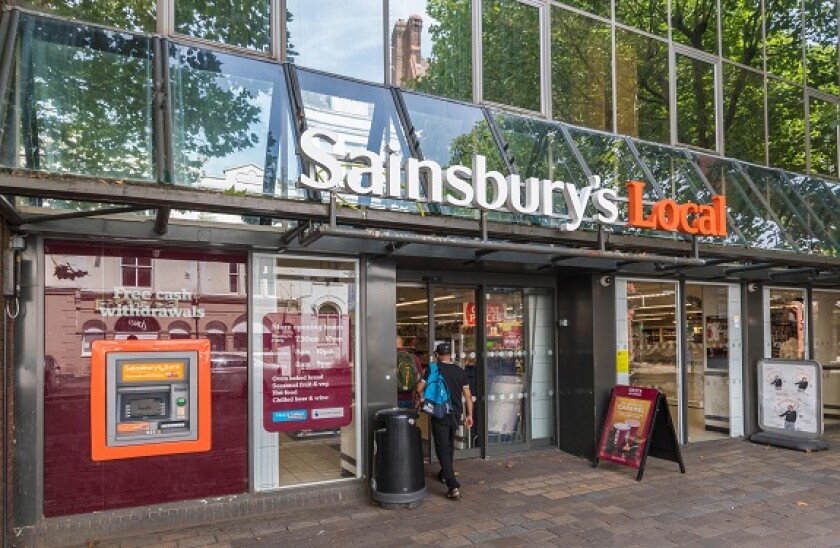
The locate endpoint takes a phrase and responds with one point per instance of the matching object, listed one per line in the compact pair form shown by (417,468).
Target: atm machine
(149,397)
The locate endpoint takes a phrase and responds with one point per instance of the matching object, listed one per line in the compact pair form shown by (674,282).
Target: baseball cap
(443,349)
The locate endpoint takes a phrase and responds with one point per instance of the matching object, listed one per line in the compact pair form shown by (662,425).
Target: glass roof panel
(773,187)
(823,210)
(759,227)
(365,117)
(451,134)
(678,180)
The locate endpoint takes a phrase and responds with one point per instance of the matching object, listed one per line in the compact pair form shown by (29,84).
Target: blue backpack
(436,400)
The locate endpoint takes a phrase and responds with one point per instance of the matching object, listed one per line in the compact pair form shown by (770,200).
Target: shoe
(453,493)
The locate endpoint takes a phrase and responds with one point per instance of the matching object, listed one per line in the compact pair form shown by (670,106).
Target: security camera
(606,281)
(752,287)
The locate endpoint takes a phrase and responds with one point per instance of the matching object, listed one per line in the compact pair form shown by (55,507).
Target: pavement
(734,493)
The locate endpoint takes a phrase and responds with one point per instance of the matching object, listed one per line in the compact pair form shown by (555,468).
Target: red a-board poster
(628,426)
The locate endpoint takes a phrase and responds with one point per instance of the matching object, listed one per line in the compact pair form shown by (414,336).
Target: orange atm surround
(100,449)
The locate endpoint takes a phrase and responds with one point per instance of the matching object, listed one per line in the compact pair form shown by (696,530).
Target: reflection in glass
(784,39)
(642,86)
(760,228)
(821,44)
(817,195)
(678,180)
(786,129)
(825,311)
(506,365)
(80,101)
(412,347)
(824,120)
(787,327)
(539,149)
(694,23)
(137,15)
(364,116)
(539,362)
(231,124)
(247,24)
(431,46)
(696,123)
(455,321)
(707,361)
(650,16)
(743,114)
(306,317)
(782,199)
(652,337)
(581,77)
(610,157)
(452,134)
(78,294)
(337,36)
(510,45)
(596,7)
(741,24)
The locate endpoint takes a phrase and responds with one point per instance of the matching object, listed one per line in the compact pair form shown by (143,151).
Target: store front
(323,233)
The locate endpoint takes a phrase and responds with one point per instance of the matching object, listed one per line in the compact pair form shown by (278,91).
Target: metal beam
(792,272)
(35,219)
(747,268)
(446,241)
(8,212)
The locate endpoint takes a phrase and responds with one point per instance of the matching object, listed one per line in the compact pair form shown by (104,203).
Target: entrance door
(713,362)
(426,316)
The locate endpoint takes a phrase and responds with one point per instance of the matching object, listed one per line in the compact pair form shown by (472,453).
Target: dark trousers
(443,431)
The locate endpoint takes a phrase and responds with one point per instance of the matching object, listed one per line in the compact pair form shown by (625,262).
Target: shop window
(308,332)
(510,49)
(431,47)
(216,334)
(93,331)
(245,23)
(179,330)
(581,70)
(136,271)
(641,65)
(786,332)
(241,140)
(82,308)
(337,36)
(80,101)
(138,15)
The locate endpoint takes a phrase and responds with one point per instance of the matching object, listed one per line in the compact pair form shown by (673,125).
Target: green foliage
(244,23)
(450,67)
(136,15)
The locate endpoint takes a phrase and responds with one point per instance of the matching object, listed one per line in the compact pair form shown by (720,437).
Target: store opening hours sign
(307,371)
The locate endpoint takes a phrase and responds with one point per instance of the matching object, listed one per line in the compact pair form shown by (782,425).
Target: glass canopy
(80,100)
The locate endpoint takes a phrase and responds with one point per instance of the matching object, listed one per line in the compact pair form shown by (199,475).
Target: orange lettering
(685,226)
(635,193)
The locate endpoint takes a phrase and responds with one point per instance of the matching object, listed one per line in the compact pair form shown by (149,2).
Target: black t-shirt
(456,380)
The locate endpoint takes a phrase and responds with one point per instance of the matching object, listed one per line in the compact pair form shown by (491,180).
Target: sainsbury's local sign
(367,173)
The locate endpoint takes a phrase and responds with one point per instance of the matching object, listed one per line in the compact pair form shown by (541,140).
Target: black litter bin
(397,478)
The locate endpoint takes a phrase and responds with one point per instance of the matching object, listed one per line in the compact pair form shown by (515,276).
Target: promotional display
(790,400)
(307,373)
(149,397)
(638,424)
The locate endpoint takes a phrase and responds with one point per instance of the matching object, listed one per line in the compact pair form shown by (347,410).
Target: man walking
(444,429)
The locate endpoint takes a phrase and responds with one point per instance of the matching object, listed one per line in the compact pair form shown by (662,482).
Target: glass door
(648,344)
(455,312)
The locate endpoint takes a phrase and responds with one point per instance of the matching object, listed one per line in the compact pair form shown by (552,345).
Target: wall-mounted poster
(790,397)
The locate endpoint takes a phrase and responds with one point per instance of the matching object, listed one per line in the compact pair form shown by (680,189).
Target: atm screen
(145,407)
